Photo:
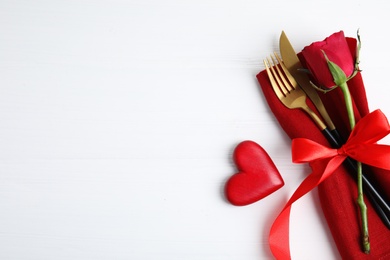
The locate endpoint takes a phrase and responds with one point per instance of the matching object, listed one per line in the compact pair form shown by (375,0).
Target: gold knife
(290,59)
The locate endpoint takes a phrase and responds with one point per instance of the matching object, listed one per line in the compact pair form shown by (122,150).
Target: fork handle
(380,205)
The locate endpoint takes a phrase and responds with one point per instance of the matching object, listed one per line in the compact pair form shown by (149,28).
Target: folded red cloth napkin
(338,193)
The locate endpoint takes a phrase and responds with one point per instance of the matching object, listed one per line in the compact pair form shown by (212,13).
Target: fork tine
(280,78)
(290,78)
(274,84)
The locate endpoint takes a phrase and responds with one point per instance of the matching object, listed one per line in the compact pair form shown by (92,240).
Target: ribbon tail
(279,233)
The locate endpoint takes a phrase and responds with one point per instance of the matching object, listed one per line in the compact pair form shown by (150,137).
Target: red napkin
(338,193)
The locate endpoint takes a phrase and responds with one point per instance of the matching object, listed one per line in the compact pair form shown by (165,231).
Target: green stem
(348,103)
(363,210)
(360,199)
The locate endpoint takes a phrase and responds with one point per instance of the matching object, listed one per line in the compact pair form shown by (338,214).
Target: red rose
(335,49)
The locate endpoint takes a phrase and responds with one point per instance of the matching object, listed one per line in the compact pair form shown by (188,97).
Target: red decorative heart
(257,178)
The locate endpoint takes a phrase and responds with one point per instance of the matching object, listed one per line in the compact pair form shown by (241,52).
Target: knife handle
(333,141)
(382,214)
(336,135)
(380,205)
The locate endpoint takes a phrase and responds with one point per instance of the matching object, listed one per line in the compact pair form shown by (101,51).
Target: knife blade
(291,61)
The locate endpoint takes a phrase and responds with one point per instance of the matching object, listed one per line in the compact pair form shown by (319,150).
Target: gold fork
(293,97)
(287,89)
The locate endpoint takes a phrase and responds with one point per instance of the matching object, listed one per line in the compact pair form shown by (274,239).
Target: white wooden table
(119,118)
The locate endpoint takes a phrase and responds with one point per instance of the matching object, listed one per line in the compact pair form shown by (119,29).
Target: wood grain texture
(119,119)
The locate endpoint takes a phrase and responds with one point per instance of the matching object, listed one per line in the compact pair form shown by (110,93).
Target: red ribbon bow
(361,146)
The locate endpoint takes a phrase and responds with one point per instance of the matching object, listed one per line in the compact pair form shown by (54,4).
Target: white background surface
(119,118)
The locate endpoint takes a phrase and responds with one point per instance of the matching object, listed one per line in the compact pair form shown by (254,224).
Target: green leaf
(338,74)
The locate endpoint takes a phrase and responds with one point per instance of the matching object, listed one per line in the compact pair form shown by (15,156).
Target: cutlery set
(293,87)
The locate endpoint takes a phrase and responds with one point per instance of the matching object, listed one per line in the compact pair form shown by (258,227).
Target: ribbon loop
(305,150)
